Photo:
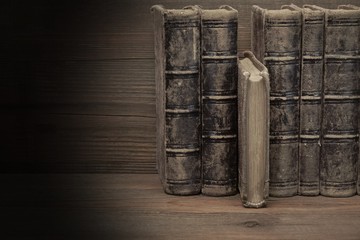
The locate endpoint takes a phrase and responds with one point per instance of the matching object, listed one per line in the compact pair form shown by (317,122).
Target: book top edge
(292,7)
(221,13)
(342,10)
(313,7)
(253,66)
(281,10)
(224,12)
(348,7)
(287,13)
(277,13)
(307,12)
(186,12)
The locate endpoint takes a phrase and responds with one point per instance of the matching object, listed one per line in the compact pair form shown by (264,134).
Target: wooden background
(77,82)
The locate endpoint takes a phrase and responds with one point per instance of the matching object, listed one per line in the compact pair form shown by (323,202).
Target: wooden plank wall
(77,82)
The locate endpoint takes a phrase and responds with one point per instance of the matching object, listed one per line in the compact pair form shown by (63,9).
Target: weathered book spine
(219,101)
(253,119)
(340,148)
(310,99)
(353,7)
(177,60)
(276,39)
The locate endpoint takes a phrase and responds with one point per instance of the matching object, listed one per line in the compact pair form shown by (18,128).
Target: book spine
(340,147)
(277,44)
(257,138)
(253,118)
(353,7)
(219,101)
(177,60)
(310,101)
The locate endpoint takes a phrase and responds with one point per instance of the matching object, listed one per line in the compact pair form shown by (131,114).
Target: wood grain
(133,206)
(78,143)
(87,60)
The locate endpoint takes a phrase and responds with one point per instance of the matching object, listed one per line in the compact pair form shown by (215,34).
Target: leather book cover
(340,133)
(311,82)
(276,41)
(219,100)
(177,76)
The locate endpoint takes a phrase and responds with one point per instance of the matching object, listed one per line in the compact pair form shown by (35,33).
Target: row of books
(196,82)
(313,57)
(305,119)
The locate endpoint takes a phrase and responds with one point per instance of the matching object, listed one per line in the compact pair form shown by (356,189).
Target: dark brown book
(340,148)
(276,39)
(178,123)
(311,78)
(253,119)
(219,100)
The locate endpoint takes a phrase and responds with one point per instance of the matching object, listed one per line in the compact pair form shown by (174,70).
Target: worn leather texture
(311,82)
(177,60)
(340,147)
(276,41)
(219,101)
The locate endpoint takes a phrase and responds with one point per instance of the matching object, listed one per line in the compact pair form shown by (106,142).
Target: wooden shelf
(133,206)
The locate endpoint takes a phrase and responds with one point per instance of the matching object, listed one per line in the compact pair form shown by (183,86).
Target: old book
(276,39)
(311,78)
(340,148)
(353,7)
(253,118)
(178,123)
(219,100)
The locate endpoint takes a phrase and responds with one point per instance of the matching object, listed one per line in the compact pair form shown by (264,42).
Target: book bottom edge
(249,204)
(309,190)
(182,189)
(283,191)
(332,191)
(219,190)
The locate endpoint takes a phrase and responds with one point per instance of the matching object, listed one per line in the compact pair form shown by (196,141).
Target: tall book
(340,148)
(253,118)
(177,76)
(353,7)
(311,77)
(219,100)
(276,39)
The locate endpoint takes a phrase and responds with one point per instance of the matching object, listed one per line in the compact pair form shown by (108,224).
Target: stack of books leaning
(280,120)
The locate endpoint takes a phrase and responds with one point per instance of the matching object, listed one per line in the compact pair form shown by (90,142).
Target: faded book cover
(353,7)
(177,76)
(219,100)
(311,78)
(276,41)
(340,133)
(253,119)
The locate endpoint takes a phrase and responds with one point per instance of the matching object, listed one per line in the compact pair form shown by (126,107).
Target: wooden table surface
(133,206)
